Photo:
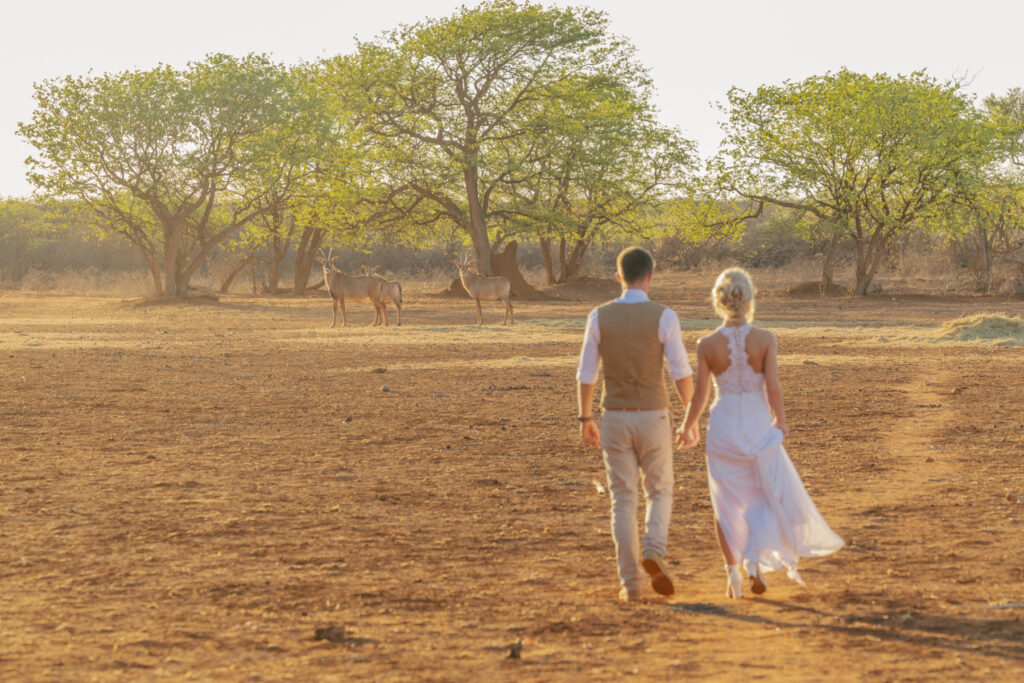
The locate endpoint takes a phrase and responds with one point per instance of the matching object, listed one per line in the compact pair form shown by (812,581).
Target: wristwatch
(588,418)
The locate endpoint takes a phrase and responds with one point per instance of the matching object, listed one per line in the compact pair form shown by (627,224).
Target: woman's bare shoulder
(709,340)
(762,335)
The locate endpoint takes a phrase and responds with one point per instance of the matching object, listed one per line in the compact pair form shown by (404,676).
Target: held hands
(687,438)
(781,426)
(590,434)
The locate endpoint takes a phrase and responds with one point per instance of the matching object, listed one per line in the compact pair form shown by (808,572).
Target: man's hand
(687,438)
(590,434)
(781,426)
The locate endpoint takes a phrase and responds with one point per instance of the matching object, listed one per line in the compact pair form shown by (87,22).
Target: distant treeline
(512,130)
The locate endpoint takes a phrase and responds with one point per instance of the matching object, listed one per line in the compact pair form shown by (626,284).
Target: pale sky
(695,50)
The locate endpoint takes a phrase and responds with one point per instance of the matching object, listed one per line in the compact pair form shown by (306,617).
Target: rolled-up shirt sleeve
(672,339)
(590,358)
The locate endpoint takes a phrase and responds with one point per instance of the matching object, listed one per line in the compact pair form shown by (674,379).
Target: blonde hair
(733,295)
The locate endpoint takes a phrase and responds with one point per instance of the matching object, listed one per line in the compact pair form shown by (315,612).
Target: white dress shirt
(668,334)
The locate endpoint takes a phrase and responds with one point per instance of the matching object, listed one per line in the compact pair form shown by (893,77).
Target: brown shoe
(660,580)
(630,595)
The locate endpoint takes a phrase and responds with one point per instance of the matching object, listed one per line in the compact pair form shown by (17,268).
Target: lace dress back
(739,377)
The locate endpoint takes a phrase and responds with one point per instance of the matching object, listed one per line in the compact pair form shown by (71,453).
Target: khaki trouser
(635,443)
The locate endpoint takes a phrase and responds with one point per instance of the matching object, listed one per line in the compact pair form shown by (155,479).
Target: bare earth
(192,491)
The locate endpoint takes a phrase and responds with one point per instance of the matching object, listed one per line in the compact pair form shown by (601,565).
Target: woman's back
(738,356)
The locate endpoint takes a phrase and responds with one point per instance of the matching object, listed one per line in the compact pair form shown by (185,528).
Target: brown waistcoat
(631,356)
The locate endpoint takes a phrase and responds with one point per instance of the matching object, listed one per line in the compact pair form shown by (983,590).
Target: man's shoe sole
(659,580)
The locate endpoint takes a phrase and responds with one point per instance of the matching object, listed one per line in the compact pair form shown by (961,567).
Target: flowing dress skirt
(758,498)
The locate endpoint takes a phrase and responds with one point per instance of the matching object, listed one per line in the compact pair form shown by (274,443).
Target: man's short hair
(634,264)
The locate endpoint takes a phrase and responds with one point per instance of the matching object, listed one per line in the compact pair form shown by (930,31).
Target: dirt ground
(193,491)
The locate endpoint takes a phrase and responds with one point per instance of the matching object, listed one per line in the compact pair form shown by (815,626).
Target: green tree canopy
(167,157)
(1008,111)
(452,103)
(602,164)
(869,156)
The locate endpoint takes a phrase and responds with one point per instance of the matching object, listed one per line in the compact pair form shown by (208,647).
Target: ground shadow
(993,637)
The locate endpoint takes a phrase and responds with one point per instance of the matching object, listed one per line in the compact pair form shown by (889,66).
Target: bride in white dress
(764,517)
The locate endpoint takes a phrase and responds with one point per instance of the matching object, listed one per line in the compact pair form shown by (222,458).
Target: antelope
(390,290)
(482,287)
(354,287)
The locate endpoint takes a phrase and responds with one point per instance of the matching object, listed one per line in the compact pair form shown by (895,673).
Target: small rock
(929,459)
(385,387)
(810,362)
(957,390)
(951,286)
(335,634)
(379,371)
(515,650)
(347,419)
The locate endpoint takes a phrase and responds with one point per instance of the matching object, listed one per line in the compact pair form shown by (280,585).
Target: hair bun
(733,294)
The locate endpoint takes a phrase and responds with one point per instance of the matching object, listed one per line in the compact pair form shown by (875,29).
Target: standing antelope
(482,287)
(390,290)
(354,287)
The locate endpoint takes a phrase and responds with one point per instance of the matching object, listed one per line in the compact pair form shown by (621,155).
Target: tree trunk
(305,255)
(235,272)
(869,256)
(863,280)
(273,273)
(506,263)
(563,271)
(575,263)
(829,263)
(172,259)
(549,263)
(986,259)
(477,226)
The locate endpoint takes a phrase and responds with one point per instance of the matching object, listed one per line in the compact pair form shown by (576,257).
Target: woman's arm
(772,386)
(687,433)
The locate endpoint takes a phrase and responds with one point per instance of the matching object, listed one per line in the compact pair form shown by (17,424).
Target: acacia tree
(444,98)
(1008,112)
(294,146)
(869,156)
(990,222)
(603,164)
(174,148)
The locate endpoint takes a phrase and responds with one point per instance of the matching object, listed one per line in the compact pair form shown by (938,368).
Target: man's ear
(618,277)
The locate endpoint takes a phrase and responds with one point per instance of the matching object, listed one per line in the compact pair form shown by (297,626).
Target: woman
(763,514)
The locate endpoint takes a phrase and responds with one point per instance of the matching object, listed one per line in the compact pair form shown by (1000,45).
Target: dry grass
(979,329)
(992,328)
(92,281)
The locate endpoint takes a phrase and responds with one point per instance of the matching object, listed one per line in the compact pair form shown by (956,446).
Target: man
(629,337)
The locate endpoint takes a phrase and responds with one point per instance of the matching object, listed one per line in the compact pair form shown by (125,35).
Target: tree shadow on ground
(992,637)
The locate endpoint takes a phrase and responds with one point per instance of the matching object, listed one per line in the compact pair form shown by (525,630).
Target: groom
(628,337)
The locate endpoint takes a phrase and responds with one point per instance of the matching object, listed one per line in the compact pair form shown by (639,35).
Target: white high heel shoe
(757,584)
(734,584)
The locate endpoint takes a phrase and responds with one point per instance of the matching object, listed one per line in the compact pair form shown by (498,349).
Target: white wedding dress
(758,498)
